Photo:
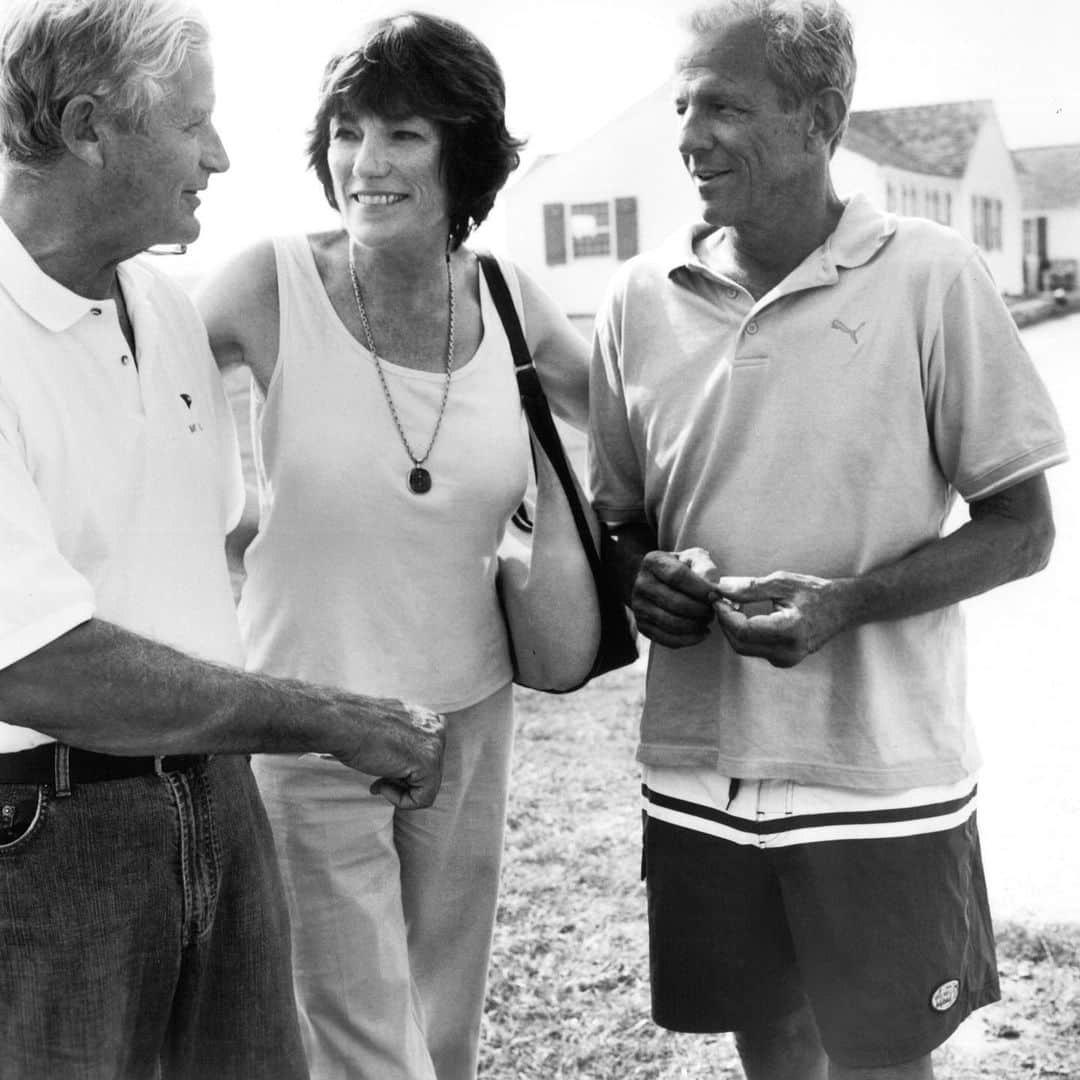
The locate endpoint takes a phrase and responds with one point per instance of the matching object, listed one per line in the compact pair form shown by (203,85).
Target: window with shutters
(986,215)
(588,230)
(555,233)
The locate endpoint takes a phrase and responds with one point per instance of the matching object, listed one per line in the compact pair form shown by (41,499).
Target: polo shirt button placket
(751,328)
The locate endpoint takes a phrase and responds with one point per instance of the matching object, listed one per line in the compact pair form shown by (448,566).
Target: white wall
(991,173)
(852,173)
(636,156)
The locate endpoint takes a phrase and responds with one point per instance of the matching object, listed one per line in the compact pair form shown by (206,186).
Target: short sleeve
(616,481)
(41,595)
(991,417)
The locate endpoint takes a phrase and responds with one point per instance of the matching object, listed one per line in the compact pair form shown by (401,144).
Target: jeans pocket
(22,814)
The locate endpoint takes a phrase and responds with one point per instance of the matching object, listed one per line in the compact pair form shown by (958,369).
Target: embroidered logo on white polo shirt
(945,996)
(853,334)
(195,425)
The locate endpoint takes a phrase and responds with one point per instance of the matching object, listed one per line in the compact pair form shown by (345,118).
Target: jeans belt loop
(158,759)
(61,771)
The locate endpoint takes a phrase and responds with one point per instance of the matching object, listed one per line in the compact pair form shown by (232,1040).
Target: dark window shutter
(626,239)
(555,233)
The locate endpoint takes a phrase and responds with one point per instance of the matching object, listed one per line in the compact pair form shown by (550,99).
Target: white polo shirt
(117,482)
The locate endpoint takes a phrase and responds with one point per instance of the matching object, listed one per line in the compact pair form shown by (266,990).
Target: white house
(574,216)
(1050,185)
(947,162)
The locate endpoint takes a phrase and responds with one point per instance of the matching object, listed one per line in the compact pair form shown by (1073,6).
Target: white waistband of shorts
(779,813)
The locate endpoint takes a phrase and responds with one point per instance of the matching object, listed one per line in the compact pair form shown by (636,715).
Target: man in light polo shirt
(785,401)
(143,930)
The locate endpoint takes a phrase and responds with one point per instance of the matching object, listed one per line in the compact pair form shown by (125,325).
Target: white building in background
(1050,185)
(573,217)
(947,162)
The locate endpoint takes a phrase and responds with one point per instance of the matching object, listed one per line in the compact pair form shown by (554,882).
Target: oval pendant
(419,480)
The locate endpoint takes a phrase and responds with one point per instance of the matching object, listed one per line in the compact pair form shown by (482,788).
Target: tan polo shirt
(823,429)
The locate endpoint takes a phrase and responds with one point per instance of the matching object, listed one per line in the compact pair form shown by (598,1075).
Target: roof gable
(1049,176)
(934,139)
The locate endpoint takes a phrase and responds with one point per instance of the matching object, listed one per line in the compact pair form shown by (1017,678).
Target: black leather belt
(38,765)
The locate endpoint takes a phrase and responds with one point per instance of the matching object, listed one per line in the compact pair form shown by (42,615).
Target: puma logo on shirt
(853,334)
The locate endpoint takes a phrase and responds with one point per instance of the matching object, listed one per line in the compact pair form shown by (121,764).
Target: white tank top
(353,580)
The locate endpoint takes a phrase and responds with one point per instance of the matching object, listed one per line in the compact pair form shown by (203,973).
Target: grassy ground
(569,992)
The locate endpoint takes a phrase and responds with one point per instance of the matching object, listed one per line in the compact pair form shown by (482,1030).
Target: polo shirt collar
(44,299)
(860,233)
(678,251)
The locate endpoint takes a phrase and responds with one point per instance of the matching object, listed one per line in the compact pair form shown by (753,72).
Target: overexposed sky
(573,65)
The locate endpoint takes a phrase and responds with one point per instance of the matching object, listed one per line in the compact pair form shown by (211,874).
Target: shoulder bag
(557,583)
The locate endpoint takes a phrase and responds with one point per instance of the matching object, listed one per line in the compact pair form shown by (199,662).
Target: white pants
(393,911)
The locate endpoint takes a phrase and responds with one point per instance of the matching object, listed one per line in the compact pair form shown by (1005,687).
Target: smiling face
(387,177)
(155,175)
(747,156)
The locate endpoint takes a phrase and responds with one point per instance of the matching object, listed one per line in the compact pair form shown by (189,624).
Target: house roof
(1049,176)
(935,139)
(537,162)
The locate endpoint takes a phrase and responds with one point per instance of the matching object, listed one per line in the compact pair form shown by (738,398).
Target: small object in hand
(699,561)
(750,608)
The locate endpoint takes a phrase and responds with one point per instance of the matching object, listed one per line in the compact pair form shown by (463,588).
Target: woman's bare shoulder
(239,304)
(247,278)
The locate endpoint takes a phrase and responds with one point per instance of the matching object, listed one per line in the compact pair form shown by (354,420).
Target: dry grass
(569,994)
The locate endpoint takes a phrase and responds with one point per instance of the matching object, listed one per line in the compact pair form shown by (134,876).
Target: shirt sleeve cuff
(28,639)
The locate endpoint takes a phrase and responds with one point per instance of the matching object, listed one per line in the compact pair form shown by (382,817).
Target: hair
(808,45)
(122,52)
(414,64)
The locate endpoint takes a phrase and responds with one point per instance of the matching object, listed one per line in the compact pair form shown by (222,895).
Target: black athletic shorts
(889,939)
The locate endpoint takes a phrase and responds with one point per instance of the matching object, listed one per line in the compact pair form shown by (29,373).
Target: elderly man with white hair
(143,929)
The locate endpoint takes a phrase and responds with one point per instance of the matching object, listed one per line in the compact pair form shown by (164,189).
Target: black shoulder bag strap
(617,645)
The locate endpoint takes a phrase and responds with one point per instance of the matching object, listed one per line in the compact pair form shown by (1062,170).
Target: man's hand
(672,599)
(399,743)
(782,618)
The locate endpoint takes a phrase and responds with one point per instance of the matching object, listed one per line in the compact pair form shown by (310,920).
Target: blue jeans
(143,932)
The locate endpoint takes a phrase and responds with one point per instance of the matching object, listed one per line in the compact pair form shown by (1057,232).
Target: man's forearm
(1008,537)
(103,688)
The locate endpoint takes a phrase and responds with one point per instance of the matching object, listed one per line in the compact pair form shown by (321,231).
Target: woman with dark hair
(391,451)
